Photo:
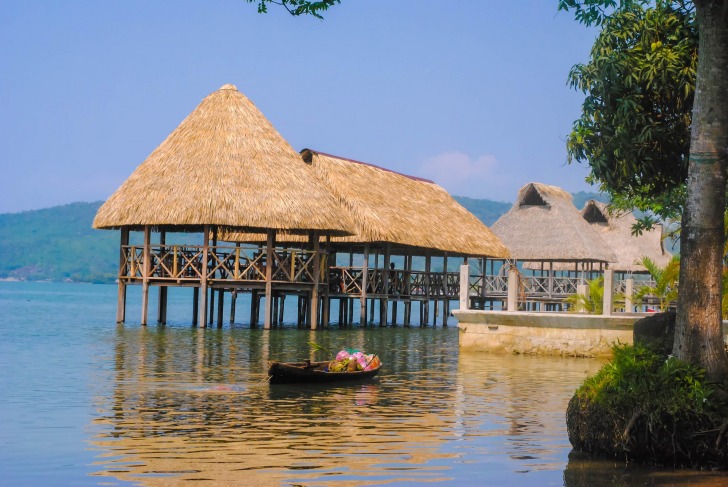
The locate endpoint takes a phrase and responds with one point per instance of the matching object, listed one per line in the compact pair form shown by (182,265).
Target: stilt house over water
(272,221)
(397,218)
(554,247)
(224,166)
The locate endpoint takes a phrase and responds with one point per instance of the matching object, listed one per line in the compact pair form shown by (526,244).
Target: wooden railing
(400,283)
(224,263)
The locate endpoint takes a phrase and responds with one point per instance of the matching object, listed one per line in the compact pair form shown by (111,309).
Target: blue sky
(469,93)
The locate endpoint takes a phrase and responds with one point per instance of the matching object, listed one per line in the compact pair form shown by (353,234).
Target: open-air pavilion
(553,247)
(402,223)
(225,166)
(272,222)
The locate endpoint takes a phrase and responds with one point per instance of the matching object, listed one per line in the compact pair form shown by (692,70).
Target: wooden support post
(203,277)
(220,306)
(445,292)
(281,309)
(408,290)
(211,318)
(394,313)
(328,261)
(253,309)
(195,304)
(268,280)
(383,303)
(364,284)
(608,292)
(123,272)
(233,302)
(146,269)
(162,296)
(428,290)
(316,278)
(276,302)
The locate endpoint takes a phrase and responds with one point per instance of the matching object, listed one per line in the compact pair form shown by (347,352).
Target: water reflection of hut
(395,215)
(557,247)
(224,166)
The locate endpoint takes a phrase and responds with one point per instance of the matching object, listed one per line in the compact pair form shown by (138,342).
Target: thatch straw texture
(543,224)
(616,230)
(224,165)
(403,211)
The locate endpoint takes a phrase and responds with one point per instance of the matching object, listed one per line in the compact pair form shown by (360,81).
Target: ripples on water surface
(87,402)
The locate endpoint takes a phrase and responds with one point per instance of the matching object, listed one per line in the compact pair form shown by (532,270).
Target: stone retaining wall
(564,334)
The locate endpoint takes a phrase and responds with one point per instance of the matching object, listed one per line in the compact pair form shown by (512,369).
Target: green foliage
(640,380)
(593,301)
(297,7)
(634,130)
(666,282)
(56,244)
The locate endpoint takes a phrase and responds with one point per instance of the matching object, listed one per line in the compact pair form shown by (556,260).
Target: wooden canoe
(315,372)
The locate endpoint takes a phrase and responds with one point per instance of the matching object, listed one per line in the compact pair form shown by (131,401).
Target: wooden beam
(364,284)
(383,303)
(146,268)
(121,291)
(162,297)
(268,279)
(203,278)
(316,278)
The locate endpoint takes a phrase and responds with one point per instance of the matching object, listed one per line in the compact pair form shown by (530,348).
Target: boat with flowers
(345,367)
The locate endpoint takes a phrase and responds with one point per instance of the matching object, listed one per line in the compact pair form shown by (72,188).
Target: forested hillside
(59,244)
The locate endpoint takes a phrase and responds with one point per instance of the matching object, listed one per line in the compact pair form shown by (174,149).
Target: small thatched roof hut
(616,230)
(402,211)
(544,225)
(224,165)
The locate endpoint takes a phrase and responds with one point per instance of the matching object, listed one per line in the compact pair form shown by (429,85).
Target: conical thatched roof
(616,230)
(543,224)
(404,211)
(224,165)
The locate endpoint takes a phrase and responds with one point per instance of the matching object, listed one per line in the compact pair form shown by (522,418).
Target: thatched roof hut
(616,230)
(224,165)
(544,225)
(402,211)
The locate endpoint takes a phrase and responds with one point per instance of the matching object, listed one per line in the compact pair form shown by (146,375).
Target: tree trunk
(698,327)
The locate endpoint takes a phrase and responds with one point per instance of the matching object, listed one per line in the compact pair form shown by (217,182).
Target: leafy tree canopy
(297,7)
(639,84)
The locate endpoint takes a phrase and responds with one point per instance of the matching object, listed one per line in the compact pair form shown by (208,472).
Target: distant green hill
(59,244)
(488,211)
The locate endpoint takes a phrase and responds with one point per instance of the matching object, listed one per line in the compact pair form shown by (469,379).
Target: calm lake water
(84,401)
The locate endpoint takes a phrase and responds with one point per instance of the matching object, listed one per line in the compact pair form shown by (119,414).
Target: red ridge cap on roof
(416,178)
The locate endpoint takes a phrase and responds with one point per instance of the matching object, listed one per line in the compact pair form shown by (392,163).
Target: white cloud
(463,175)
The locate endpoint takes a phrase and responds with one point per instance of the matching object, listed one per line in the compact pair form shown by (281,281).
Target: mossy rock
(642,407)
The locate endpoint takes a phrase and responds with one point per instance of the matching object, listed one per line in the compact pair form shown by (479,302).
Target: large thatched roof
(224,165)
(543,224)
(403,211)
(616,230)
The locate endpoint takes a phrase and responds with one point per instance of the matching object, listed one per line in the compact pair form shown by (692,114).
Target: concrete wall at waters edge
(564,334)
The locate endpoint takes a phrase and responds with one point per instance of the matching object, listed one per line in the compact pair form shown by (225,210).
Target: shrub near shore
(652,409)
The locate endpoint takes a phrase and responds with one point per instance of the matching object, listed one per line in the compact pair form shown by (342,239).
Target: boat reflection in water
(194,405)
